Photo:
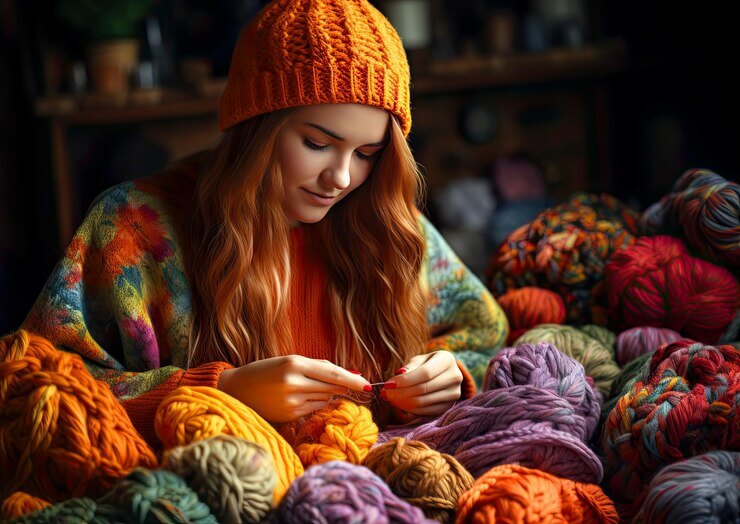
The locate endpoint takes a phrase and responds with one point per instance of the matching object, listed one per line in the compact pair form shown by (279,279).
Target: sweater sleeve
(463,316)
(119,298)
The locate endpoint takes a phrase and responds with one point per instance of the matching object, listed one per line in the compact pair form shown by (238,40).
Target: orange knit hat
(306,52)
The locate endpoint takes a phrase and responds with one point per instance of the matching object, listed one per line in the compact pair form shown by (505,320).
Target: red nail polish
(401,371)
(355,371)
(390,385)
(383,395)
(367,388)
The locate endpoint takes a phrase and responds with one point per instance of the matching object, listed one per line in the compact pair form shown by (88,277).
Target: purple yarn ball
(340,492)
(640,340)
(546,367)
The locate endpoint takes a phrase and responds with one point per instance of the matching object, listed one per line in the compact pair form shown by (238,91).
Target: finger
(450,393)
(310,406)
(434,409)
(434,365)
(301,384)
(333,374)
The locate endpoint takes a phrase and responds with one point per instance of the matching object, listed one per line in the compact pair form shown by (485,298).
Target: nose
(338,175)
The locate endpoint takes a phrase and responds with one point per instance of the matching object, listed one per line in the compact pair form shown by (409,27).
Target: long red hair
(371,242)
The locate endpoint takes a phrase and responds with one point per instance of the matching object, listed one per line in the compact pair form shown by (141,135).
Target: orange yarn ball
(19,504)
(63,434)
(528,307)
(515,494)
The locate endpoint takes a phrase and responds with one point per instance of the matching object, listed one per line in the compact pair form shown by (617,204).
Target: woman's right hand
(281,389)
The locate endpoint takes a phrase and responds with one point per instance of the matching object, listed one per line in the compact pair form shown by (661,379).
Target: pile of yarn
(703,208)
(19,503)
(62,433)
(190,414)
(596,358)
(342,492)
(564,249)
(421,476)
(528,307)
(640,340)
(656,282)
(682,404)
(513,493)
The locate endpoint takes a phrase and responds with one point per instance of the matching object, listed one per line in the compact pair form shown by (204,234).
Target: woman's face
(325,152)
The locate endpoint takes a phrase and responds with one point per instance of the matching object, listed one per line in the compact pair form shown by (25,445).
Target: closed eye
(313,145)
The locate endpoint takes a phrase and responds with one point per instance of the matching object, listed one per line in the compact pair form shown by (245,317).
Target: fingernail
(368,388)
(355,371)
(383,394)
(401,371)
(390,385)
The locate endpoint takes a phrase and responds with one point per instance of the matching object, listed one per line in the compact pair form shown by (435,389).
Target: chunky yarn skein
(528,307)
(515,494)
(426,478)
(63,434)
(19,504)
(640,340)
(340,492)
(234,477)
(190,414)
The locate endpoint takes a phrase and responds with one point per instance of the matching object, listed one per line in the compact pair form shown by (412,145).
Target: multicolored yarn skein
(564,249)
(515,494)
(705,488)
(234,477)
(62,433)
(656,282)
(339,492)
(190,414)
(597,359)
(704,208)
(684,403)
(640,340)
(421,476)
(528,307)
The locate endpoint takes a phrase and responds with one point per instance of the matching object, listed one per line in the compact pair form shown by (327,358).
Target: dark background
(672,106)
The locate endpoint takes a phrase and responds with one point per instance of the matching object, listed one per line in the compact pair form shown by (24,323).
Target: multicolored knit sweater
(121,298)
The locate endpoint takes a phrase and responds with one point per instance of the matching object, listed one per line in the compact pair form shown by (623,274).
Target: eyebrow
(337,137)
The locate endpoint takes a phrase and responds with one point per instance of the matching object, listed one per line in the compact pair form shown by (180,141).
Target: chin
(308,218)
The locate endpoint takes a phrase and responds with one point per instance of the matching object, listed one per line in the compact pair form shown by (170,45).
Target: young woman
(290,263)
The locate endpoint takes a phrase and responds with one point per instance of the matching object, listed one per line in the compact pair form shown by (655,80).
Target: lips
(319,199)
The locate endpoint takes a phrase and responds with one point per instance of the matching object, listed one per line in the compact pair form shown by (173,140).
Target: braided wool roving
(340,492)
(597,359)
(190,414)
(705,488)
(656,282)
(63,434)
(564,249)
(640,340)
(683,404)
(426,478)
(19,504)
(516,494)
(234,477)
(704,208)
(530,306)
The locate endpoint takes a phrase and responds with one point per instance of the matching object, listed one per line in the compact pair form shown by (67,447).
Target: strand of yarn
(640,340)
(656,282)
(190,414)
(234,477)
(704,208)
(62,433)
(705,488)
(530,306)
(597,359)
(19,504)
(339,492)
(684,403)
(421,476)
(513,493)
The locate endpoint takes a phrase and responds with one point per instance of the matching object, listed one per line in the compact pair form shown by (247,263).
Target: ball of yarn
(564,249)
(190,414)
(684,403)
(656,282)
(72,510)
(338,492)
(20,503)
(426,478)
(62,433)
(705,209)
(601,334)
(544,366)
(597,360)
(234,477)
(640,340)
(513,493)
(342,430)
(528,307)
(701,489)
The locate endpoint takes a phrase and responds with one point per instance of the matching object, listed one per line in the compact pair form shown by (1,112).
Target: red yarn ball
(528,307)
(655,282)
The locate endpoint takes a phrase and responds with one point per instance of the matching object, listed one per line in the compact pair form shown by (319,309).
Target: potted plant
(110,27)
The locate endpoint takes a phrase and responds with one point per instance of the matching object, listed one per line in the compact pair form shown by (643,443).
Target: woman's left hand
(427,386)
